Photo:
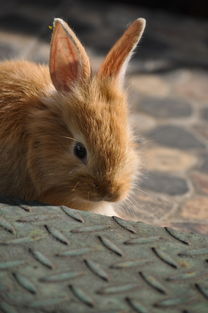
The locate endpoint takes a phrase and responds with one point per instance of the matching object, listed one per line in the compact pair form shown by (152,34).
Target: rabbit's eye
(80,151)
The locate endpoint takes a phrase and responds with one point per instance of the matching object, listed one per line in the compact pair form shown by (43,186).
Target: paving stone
(141,122)
(91,28)
(83,27)
(199,228)
(196,208)
(165,107)
(19,23)
(119,15)
(93,16)
(133,95)
(40,54)
(204,166)
(45,3)
(164,183)
(204,114)
(177,76)
(155,205)
(153,45)
(202,130)
(8,6)
(38,12)
(7,51)
(193,87)
(168,160)
(146,207)
(200,182)
(175,137)
(179,34)
(189,226)
(15,46)
(98,40)
(149,85)
(132,214)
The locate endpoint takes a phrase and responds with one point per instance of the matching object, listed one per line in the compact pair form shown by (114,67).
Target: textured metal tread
(54,259)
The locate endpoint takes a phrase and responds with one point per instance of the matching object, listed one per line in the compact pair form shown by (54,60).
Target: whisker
(67,137)
(75,186)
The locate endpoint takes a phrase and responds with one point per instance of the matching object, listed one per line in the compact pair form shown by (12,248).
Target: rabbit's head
(84,148)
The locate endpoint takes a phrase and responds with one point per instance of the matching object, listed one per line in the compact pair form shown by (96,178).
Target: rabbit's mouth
(102,196)
(105,198)
(84,198)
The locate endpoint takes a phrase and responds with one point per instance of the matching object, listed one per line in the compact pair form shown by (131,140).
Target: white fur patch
(105,209)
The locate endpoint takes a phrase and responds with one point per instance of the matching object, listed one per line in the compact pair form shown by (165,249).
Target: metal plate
(54,259)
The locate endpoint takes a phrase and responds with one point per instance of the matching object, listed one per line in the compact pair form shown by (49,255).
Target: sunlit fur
(38,126)
(45,110)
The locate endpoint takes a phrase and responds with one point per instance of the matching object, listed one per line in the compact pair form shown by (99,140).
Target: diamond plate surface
(54,259)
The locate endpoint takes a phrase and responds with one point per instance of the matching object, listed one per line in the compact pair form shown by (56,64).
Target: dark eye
(80,151)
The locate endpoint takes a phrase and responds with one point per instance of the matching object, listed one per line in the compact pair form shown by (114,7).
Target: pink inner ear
(64,59)
(64,67)
(117,59)
(63,78)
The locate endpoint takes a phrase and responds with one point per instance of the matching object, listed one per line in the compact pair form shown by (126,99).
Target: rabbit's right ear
(116,61)
(69,62)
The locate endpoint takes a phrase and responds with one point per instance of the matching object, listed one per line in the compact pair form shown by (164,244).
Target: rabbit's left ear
(69,62)
(117,59)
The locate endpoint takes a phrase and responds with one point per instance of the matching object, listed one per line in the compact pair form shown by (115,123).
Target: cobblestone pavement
(167,82)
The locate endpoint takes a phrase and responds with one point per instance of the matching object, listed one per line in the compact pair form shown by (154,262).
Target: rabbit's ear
(69,62)
(117,59)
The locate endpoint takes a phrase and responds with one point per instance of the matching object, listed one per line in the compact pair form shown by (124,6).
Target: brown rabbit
(64,134)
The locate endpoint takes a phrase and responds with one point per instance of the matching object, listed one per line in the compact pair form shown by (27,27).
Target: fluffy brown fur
(40,123)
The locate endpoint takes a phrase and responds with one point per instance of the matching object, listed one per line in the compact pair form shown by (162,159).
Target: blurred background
(167,82)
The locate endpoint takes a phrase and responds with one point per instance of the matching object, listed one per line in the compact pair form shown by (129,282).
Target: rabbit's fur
(45,110)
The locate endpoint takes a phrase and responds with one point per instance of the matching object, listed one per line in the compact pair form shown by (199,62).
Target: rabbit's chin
(99,207)
(78,203)
(105,209)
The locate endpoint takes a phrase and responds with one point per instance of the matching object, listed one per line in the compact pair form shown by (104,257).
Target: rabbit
(65,138)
